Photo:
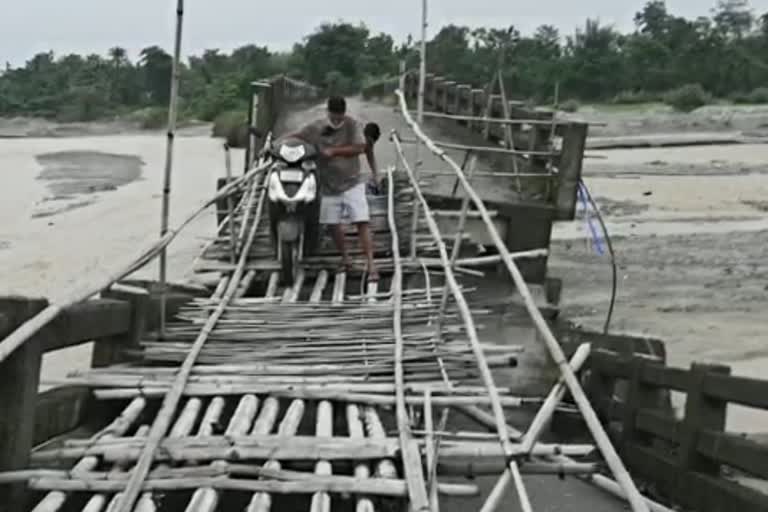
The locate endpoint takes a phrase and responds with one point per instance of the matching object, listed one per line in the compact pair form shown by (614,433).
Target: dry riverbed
(690,225)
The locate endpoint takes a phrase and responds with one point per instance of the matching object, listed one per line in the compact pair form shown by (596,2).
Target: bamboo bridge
(337,393)
(259,396)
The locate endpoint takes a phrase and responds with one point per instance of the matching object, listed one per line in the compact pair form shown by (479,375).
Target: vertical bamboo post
(230,208)
(402,75)
(419,118)
(456,248)
(169,155)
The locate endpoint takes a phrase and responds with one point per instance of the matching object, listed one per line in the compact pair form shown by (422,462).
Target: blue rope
(596,238)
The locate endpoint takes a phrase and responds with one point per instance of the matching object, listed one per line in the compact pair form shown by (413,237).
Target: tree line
(724,55)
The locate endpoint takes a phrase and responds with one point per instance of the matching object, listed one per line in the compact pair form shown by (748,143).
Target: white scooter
(294,204)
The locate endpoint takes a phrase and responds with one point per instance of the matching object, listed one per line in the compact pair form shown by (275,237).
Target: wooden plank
(739,390)
(736,451)
(652,465)
(19,381)
(666,377)
(108,350)
(58,411)
(659,423)
(712,494)
(610,365)
(85,322)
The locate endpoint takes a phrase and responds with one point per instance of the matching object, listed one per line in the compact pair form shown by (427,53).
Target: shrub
(153,118)
(759,95)
(233,126)
(634,98)
(570,106)
(688,98)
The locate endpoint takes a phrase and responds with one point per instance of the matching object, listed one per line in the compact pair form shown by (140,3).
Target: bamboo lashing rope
(471,331)
(603,441)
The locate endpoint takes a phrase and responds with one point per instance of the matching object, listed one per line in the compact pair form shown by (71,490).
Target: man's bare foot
(345,267)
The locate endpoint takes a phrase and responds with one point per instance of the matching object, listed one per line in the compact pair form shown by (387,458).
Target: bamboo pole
(301,485)
(180,429)
(482,149)
(356,431)
(296,448)
(456,249)
(510,142)
(602,482)
(54,500)
(417,492)
(385,468)
(431,452)
(230,208)
(420,116)
(471,331)
(172,110)
(205,499)
(171,400)
(537,426)
(557,393)
(262,501)
(603,441)
(321,501)
(492,120)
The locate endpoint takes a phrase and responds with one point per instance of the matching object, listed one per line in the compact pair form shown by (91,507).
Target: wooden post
(639,396)
(108,351)
(571,159)
(437,85)
(19,381)
(701,413)
(461,91)
(448,87)
(599,389)
(475,98)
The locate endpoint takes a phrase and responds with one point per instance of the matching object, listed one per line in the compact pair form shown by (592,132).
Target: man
(341,141)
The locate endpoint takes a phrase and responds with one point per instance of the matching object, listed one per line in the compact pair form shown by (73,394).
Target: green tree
(156,66)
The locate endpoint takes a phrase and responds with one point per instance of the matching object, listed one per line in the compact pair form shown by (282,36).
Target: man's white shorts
(350,207)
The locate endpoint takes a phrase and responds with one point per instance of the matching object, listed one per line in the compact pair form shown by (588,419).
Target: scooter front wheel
(288,262)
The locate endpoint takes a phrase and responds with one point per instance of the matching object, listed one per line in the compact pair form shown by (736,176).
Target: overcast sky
(85,26)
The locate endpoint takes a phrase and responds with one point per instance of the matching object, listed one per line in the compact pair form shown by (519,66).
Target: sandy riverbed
(690,226)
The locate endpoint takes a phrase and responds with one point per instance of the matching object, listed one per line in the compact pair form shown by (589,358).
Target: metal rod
(172,111)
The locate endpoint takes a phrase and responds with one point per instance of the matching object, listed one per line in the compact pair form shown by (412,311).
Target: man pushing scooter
(342,140)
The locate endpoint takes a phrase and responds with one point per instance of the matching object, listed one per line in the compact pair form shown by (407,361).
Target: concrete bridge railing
(549,151)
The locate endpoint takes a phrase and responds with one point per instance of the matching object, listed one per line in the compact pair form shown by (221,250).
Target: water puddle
(75,177)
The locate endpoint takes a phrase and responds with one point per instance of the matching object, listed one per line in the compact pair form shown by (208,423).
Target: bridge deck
(330,394)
